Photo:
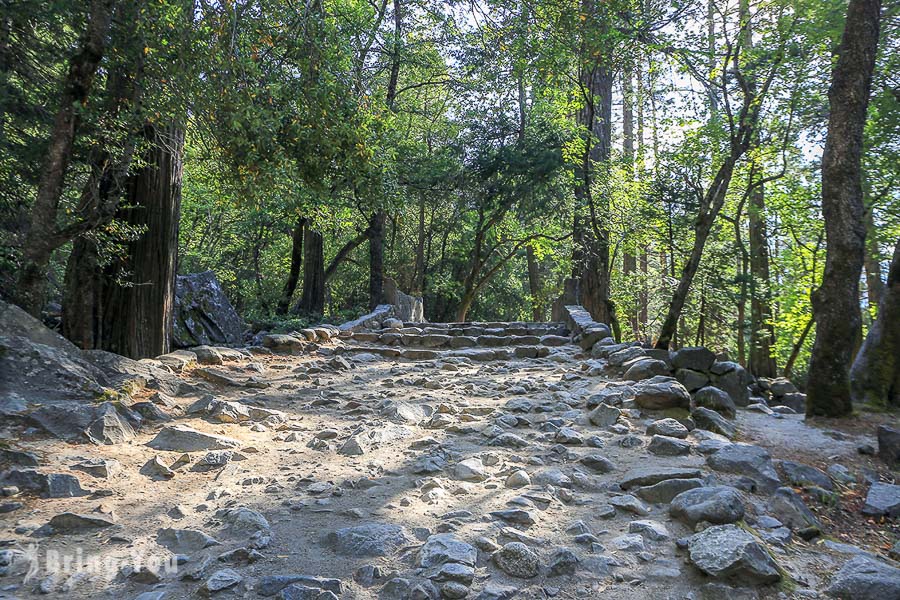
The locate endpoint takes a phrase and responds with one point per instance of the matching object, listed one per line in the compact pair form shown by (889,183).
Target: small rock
(517,560)
(668,427)
(668,446)
(883,499)
(716,504)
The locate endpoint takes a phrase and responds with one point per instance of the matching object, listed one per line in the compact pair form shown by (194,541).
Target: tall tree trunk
(762,330)
(137,317)
(874,284)
(591,234)
(629,260)
(875,375)
(42,239)
(312,300)
(376,259)
(643,297)
(395,56)
(418,286)
(836,301)
(82,302)
(290,285)
(534,285)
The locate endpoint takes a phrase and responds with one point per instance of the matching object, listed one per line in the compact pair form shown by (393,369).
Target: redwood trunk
(836,301)
(312,301)
(137,314)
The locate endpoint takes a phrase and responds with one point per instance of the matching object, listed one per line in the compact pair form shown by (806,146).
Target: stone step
(437,340)
(475,354)
(538,329)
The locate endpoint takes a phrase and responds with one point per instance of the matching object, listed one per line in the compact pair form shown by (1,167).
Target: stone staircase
(479,341)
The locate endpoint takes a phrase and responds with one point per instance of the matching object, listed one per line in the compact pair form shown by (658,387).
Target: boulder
(181,438)
(645,368)
(660,393)
(710,420)
(80,422)
(690,379)
(715,399)
(749,460)
(804,475)
(48,485)
(718,504)
(406,307)
(184,540)
(668,427)
(883,499)
(734,380)
(787,506)
(203,314)
(643,476)
(72,523)
(695,358)
(865,578)
(368,539)
(444,548)
(664,445)
(604,415)
(665,491)
(889,445)
(729,552)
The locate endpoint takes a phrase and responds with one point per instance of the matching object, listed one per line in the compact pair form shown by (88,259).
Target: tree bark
(418,286)
(82,301)
(290,285)
(875,375)
(395,57)
(312,300)
(41,239)
(376,259)
(874,284)
(137,316)
(590,232)
(836,301)
(762,331)
(534,285)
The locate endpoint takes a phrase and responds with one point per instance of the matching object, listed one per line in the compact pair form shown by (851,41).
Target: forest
(716,173)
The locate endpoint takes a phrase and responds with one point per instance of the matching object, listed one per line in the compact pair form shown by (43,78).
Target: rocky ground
(351,470)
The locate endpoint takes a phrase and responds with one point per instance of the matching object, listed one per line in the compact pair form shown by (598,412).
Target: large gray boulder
(734,380)
(203,314)
(658,393)
(729,552)
(39,365)
(695,358)
(406,307)
(865,578)
(717,504)
(882,500)
(749,460)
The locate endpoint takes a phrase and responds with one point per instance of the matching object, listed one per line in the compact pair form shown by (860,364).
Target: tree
(836,301)
(44,234)
(875,375)
(741,129)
